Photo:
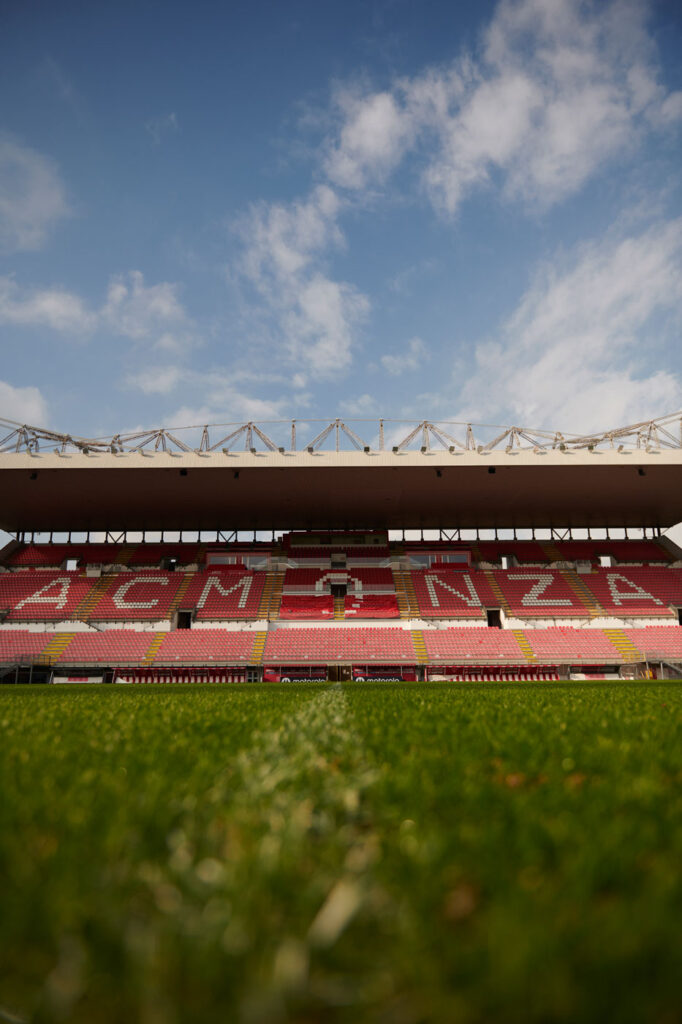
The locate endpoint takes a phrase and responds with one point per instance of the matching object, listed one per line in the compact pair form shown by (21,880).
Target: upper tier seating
(225,593)
(371,606)
(310,580)
(151,554)
(452,594)
(306,606)
(329,643)
(628,591)
(43,596)
(621,550)
(145,594)
(530,552)
(539,593)
(36,555)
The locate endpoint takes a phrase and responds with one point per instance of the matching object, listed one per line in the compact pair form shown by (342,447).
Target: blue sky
(219,212)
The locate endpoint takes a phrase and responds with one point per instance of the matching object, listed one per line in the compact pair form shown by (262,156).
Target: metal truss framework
(341,435)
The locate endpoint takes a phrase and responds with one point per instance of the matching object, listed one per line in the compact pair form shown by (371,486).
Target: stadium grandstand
(428,551)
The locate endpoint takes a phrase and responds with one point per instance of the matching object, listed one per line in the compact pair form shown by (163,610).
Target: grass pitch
(395,853)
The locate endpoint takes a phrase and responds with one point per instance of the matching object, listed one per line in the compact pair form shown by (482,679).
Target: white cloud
(149,313)
(315,317)
(362,407)
(372,139)
(557,89)
(157,380)
(226,404)
(159,127)
(141,311)
(50,307)
(397,363)
(580,351)
(23,405)
(32,197)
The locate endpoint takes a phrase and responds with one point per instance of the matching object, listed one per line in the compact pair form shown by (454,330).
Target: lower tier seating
(297,646)
(195,646)
(564,644)
(471,642)
(329,644)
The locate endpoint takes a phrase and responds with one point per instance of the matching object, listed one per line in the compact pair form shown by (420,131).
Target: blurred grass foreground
(360,852)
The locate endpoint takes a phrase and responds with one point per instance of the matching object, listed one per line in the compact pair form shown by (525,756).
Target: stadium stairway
(477,553)
(339,608)
(419,646)
(408,606)
(624,645)
(271,597)
(522,641)
(153,649)
(92,598)
(55,648)
(552,551)
(126,553)
(180,593)
(584,595)
(258,647)
(495,587)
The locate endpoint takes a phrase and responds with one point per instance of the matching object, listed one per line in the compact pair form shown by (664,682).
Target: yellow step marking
(624,645)
(583,593)
(495,587)
(522,641)
(258,647)
(87,606)
(153,649)
(419,646)
(180,593)
(55,647)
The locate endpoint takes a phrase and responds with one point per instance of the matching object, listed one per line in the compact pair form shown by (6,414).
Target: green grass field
(366,852)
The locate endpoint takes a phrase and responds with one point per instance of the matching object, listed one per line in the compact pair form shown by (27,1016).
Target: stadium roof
(520,478)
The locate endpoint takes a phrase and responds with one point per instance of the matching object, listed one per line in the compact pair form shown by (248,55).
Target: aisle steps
(495,587)
(153,648)
(419,646)
(56,647)
(624,645)
(92,599)
(522,641)
(408,606)
(271,598)
(181,591)
(258,647)
(584,595)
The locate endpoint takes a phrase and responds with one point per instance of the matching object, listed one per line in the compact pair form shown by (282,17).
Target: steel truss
(340,435)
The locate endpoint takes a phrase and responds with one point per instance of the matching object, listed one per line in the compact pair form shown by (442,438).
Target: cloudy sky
(215,212)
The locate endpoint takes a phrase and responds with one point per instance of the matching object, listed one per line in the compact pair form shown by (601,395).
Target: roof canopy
(49,491)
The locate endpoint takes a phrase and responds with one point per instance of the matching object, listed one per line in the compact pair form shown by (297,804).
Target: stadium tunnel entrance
(341,673)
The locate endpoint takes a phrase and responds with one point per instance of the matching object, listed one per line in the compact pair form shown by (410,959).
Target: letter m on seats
(213,583)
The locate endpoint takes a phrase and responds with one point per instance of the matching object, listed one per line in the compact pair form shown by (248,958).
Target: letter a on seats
(633,594)
(41,597)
